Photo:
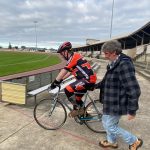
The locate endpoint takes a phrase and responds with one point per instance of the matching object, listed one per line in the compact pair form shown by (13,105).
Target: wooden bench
(66,82)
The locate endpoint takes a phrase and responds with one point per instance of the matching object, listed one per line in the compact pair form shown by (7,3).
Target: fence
(36,81)
(15,90)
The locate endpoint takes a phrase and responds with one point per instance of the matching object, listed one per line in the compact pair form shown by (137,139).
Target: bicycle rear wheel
(48,120)
(92,117)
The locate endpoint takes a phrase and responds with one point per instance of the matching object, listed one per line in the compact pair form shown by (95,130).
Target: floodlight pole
(35,22)
(112,18)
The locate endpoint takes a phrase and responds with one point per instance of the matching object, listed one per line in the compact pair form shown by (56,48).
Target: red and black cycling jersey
(80,68)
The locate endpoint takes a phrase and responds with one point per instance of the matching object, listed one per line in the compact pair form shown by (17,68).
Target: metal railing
(142,60)
(36,81)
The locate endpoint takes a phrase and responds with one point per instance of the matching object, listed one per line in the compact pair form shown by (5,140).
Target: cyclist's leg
(69,91)
(81,88)
(78,87)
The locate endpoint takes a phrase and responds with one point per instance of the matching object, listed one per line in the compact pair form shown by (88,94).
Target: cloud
(68,20)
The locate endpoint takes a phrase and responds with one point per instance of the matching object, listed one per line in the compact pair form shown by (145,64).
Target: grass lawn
(16,62)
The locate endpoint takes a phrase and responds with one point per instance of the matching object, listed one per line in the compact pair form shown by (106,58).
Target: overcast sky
(68,20)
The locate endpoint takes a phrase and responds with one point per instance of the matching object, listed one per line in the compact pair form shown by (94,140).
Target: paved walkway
(19,131)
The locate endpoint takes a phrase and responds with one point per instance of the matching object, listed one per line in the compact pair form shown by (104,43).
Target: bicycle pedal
(81,120)
(75,113)
(77,119)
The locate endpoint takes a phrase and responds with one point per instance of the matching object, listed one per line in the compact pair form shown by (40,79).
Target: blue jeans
(113,130)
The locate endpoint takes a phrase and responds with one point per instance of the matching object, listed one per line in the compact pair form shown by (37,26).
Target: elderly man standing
(119,93)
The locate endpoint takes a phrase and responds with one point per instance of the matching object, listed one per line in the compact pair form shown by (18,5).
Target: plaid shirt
(120,90)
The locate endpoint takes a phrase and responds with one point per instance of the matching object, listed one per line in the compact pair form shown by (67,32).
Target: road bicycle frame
(86,96)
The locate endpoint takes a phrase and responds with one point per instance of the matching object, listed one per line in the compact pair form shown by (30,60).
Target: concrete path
(19,131)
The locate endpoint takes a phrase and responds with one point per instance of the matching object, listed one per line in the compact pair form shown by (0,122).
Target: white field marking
(25,62)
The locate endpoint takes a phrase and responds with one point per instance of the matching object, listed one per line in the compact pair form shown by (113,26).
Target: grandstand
(130,41)
(136,45)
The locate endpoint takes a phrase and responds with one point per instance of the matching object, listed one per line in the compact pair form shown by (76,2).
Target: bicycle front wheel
(93,117)
(48,119)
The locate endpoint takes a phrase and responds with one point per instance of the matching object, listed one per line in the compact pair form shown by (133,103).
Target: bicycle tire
(94,122)
(53,121)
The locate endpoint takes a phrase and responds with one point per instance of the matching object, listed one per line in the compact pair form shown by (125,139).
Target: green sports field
(16,62)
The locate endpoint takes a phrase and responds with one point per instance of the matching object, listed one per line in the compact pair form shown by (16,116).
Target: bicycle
(51,114)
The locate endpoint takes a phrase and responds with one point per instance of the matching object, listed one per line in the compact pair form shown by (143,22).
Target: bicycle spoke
(92,118)
(50,120)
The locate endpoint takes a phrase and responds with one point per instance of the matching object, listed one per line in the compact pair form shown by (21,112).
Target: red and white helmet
(65,46)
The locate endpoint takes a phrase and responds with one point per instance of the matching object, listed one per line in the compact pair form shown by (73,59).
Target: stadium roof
(139,37)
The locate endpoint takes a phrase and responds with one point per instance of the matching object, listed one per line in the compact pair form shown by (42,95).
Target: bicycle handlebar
(59,87)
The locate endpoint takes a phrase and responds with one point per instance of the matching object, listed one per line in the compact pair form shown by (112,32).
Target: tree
(23,47)
(16,47)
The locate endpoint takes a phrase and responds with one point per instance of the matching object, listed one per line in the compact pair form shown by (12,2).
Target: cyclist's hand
(55,84)
(61,81)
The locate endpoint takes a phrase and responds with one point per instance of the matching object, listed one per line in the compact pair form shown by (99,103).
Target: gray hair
(112,46)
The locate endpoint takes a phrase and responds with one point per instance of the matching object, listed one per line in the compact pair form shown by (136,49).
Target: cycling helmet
(65,46)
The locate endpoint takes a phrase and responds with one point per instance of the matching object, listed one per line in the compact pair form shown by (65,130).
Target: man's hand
(130,117)
(96,86)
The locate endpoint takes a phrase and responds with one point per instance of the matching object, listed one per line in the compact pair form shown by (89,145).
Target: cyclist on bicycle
(85,77)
